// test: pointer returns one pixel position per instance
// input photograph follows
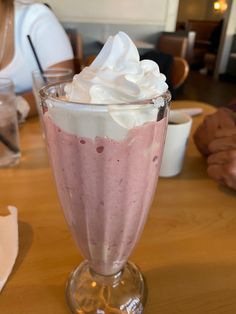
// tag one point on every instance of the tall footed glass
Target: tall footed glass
(106, 161)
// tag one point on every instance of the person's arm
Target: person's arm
(67, 64)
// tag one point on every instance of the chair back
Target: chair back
(173, 45)
(78, 48)
(179, 72)
(89, 60)
(203, 29)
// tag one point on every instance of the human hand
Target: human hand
(222, 158)
(222, 118)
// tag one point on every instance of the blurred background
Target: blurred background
(202, 32)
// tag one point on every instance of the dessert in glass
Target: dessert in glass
(105, 134)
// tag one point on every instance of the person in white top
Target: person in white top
(19, 19)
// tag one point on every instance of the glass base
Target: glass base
(89, 292)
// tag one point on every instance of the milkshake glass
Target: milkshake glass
(106, 176)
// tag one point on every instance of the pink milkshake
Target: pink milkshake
(106, 188)
(105, 133)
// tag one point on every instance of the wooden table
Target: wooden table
(187, 251)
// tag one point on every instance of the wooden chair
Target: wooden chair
(179, 72)
(89, 60)
(76, 40)
(190, 36)
(79, 49)
(173, 45)
(203, 30)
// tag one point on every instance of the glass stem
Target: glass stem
(107, 280)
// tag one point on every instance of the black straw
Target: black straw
(36, 58)
(35, 55)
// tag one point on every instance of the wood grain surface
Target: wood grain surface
(187, 251)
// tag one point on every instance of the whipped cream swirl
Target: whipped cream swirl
(117, 75)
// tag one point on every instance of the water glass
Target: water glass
(49, 76)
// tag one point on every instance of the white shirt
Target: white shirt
(49, 39)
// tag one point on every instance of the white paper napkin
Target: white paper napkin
(9, 244)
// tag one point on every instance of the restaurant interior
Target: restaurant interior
(201, 32)
(185, 243)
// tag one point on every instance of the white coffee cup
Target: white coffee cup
(178, 130)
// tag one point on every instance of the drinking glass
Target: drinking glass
(9, 132)
(49, 76)
(106, 161)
